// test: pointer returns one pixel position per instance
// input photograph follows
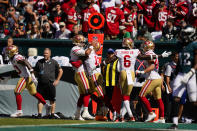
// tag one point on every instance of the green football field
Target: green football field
(21, 124)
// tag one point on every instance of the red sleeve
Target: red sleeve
(139, 6)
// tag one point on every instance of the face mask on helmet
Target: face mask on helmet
(11, 50)
(188, 35)
(96, 45)
(79, 40)
(128, 43)
(148, 45)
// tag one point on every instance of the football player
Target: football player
(127, 57)
(96, 79)
(77, 54)
(27, 79)
(187, 66)
(152, 83)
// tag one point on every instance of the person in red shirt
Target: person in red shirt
(71, 17)
(162, 14)
(180, 11)
(41, 6)
(67, 5)
(85, 13)
(130, 13)
(113, 15)
(148, 8)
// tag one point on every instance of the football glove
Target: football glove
(34, 80)
(187, 76)
(139, 72)
(166, 54)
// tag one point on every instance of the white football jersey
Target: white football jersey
(127, 58)
(34, 59)
(21, 69)
(154, 73)
(91, 63)
(75, 53)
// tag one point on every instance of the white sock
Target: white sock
(85, 109)
(127, 106)
(123, 111)
(175, 120)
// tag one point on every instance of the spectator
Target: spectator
(18, 31)
(85, 13)
(63, 33)
(131, 19)
(147, 8)
(76, 31)
(30, 16)
(170, 31)
(180, 11)
(57, 16)
(193, 14)
(4, 53)
(12, 16)
(71, 17)
(35, 33)
(2, 21)
(96, 6)
(162, 15)
(47, 33)
(123, 33)
(3, 6)
(114, 15)
(41, 6)
(46, 69)
(144, 34)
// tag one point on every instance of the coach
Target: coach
(46, 70)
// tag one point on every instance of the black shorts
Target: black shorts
(47, 90)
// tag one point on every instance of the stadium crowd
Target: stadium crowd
(63, 19)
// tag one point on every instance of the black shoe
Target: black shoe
(173, 126)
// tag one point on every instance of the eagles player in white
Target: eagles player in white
(78, 54)
(27, 79)
(126, 58)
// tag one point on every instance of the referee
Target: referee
(46, 70)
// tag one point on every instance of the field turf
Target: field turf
(24, 124)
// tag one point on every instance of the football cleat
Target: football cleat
(132, 119)
(160, 121)
(18, 113)
(87, 116)
(150, 117)
(48, 109)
